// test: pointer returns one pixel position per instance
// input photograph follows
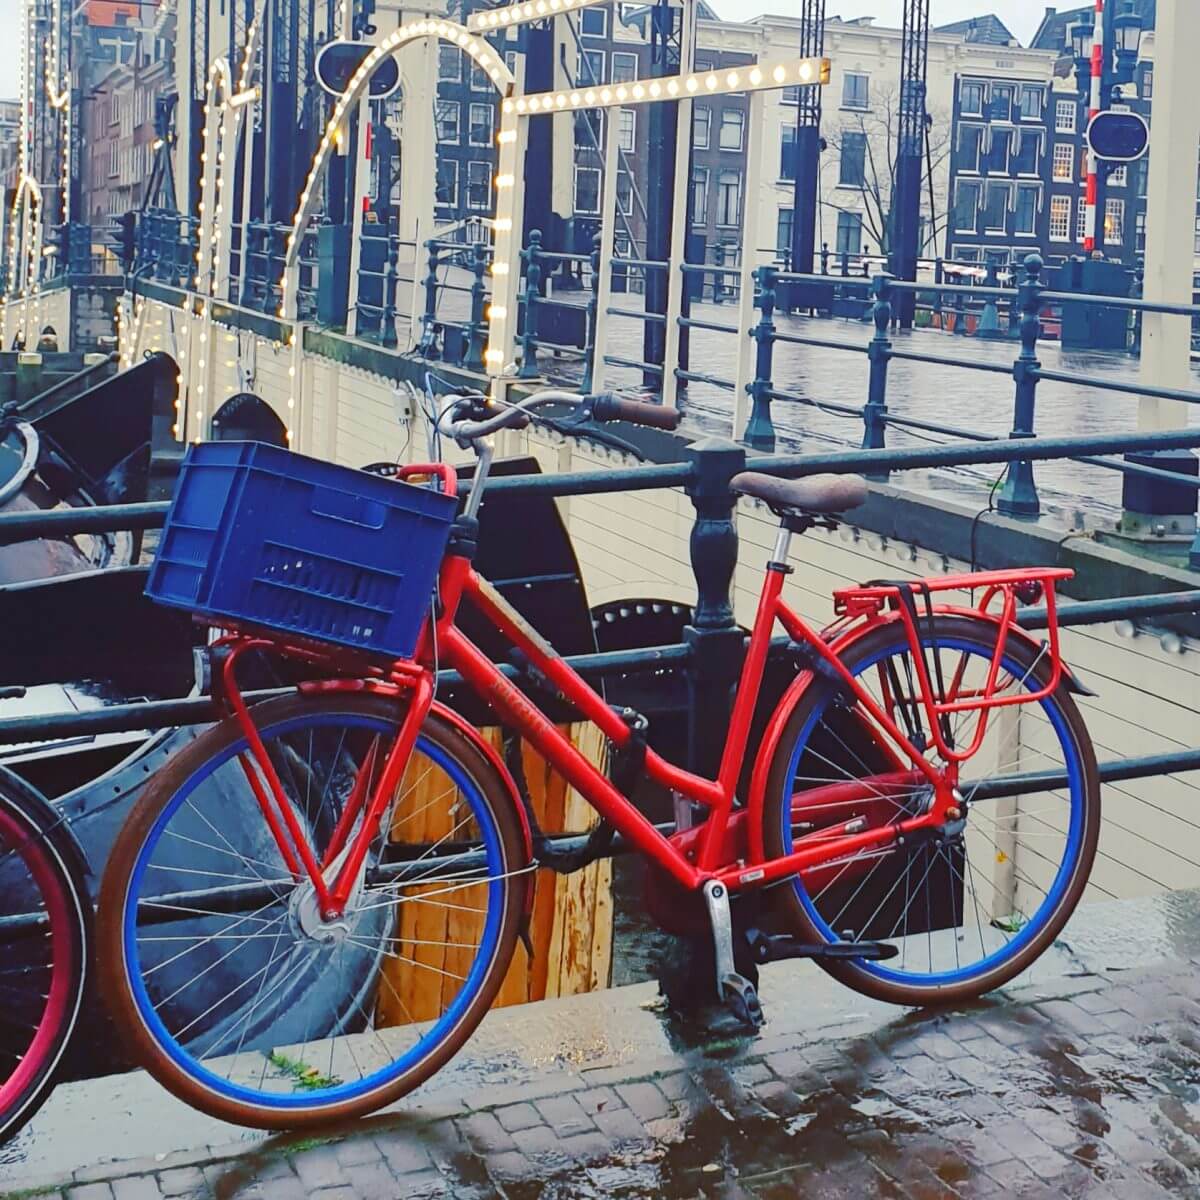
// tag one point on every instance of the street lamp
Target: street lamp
(1082, 33)
(1128, 38)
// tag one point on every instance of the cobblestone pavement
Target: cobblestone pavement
(1088, 1088)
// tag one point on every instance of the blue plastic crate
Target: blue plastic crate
(258, 536)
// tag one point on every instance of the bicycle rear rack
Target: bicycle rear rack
(1002, 592)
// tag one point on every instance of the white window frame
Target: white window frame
(1066, 114)
(700, 191)
(626, 209)
(1060, 218)
(1036, 189)
(741, 186)
(1064, 152)
(738, 122)
(441, 106)
(1032, 89)
(627, 123)
(449, 54)
(487, 168)
(963, 128)
(591, 212)
(589, 55)
(1081, 220)
(1114, 206)
(451, 163)
(490, 112)
(705, 123)
(1001, 185)
(1119, 177)
(983, 100)
(846, 102)
(1014, 152)
(593, 12)
(622, 55)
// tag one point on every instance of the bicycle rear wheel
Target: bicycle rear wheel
(235, 993)
(45, 922)
(971, 907)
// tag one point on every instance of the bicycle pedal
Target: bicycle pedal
(767, 948)
(741, 998)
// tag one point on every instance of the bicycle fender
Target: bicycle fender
(463, 726)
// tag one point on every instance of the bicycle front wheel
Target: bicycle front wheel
(968, 907)
(45, 929)
(234, 992)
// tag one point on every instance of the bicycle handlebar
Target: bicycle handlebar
(636, 412)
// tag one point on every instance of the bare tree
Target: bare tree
(874, 132)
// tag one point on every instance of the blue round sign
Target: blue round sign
(337, 62)
(1118, 136)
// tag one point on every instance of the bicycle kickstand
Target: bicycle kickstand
(733, 989)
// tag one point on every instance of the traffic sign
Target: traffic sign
(1118, 136)
(337, 62)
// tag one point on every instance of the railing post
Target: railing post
(879, 353)
(824, 258)
(1018, 495)
(478, 327)
(760, 432)
(718, 277)
(713, 635)
(1137, 291)
(593, 309)
(937, 295)
(533, 280)
(429, 318)
(960, 313)
(845, 265)
(989, 321)
(387, 318)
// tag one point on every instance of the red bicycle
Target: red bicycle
(923, 809)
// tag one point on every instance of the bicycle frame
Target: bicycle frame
(704, 855)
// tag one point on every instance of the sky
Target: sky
(1021, 16)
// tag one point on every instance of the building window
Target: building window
(626, 129)
(1148, 83)
(729, 197)
(624, 193)
(447, 182)
(789, 95)
(1028, 153)
(1002, 101)
(995, 213)
(1142, 233)
(479, 79)
(1060, 218)
(1141, 174)
(972, 99)
(480, 133)
(1118, 176)
(449, 64)
(787, 152)
(624, 66)
(701, 126)
(970, 139)
(996, 162)
(1025, 214)
(966, 206)
(1064, 161)
(733, 126)
(589, 127)
(591, 65)
(700, 196)
(849, 233)
(1114, 220)
(593, 22)
(1139, 227)
(448, 115)
(1081, 222)
(511, 59)
(479, 186)
(587, 190)
(783, 231)
(1031, 103)
(852, 168)
(856, 90)
(1065, 114)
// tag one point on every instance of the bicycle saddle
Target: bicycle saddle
(821, 495)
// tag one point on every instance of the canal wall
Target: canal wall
(347, 401)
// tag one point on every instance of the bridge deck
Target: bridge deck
(1078, 1081)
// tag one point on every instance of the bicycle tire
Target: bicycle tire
(182, 1070)
(880, 980)
(40, 865)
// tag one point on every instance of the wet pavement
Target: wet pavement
(1083, 1080)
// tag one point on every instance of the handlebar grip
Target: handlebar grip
(636, 412)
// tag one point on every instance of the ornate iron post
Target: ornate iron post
(807, 146)
(593, 309)
(713, 636)
(429, 319)
(879, 353)
(760, 432)
(1018, 495)
(533, 280)
(905, 233)
(477, 330)
(1136, 293)
(387, 316)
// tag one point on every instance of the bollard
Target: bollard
(477, 328)
(760, 432)
(533, 279)
(824, 258)
(593, 310)
(387, 318)
(429, 317)
(713, 636)
(879, 353)
(1018, 495)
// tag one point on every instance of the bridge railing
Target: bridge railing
(710, 655)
